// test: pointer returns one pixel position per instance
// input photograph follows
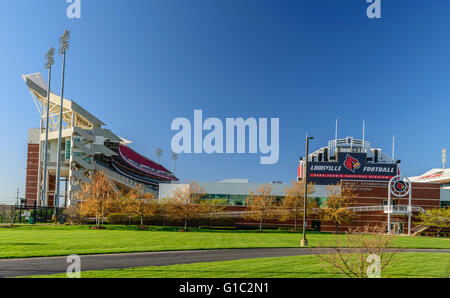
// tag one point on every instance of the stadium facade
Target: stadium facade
(343, 162)
(87, 146)
(368, 170)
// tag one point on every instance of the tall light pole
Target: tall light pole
(159, 153)
(444, 157)
(174, 157)
(48, 65)
(64, 46)
(304, 241)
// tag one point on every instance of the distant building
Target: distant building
(233, 191)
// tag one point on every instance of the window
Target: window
(445, 204)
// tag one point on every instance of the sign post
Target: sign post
(399, 186)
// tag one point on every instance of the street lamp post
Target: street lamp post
(304, 241)
(64, 46)
(48, 65)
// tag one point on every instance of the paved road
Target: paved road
(53, 265)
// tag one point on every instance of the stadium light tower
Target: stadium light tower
(50, 60)
(64, 46)
(174, 157)
(304, 241)
(159, 153)
(444, 157)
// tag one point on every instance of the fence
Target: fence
(10, 214)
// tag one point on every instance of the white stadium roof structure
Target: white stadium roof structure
(441, 176)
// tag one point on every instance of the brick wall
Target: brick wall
(31, 184)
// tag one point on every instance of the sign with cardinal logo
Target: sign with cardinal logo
(400, 186)
(349, 166)
(351, 163)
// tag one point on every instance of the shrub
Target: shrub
(72, 216)
(158, 220)
(122, 219)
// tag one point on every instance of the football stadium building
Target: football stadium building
(344, 162)
(86, 146)
(383, 197)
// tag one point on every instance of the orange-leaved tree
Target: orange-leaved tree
(140, 203)
(293, 203)
(336, 209)
(212, 209)
(260, 204)
(97, 198)
(184, 204)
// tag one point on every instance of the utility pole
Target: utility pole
(48, 65)
(304, 241)
(17, 198)
(64, 46)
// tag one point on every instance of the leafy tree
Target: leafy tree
(336, 210)
(438, 218)
(8, 214)
(140, 203)
(260, 204)
(97, 198)
(212, 208)
(293, 203)
(184, 204)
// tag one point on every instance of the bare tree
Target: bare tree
(159, 153)
(352, 254)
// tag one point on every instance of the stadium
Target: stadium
(368, 170)
(86, 146)
(346, 161)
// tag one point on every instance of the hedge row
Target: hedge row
(127, 219)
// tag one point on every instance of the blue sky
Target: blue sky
(139, 66)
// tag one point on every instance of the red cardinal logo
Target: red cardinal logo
(400, 186)
(351, 163)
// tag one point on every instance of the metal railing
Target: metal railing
(393, 209)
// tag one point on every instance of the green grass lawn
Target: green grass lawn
(57, 240)
(418, 265)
